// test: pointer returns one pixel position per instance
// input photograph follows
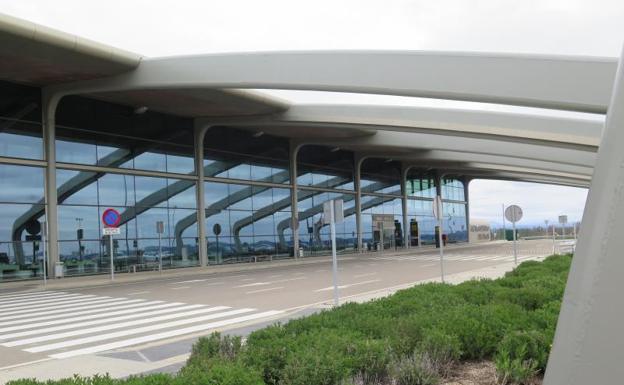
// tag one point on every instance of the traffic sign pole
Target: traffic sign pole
(332, 228)
(45, 259)
(515, 249)
(112, 257)
(438, 215)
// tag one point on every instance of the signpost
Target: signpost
(44, 233)
(160, 229)
(111, 220)
(437, 213)
(563, 220)
(513, 214)
(333, 213)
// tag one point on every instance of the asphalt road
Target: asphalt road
(158, 319)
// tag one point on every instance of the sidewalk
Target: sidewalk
(123, 278)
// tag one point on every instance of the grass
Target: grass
(413, 337)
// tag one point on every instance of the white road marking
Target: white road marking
(247, 279)
(348, 285)
(180, 288)
(276, 276)
(364, 275)
(160, 336)
(38, 294)
(190, 281)
(134, 312)
(320, 271)
(253, 284)
(123, 333)
(263, 290)
(59, 305)
(139, 292)
(97, 329)
(21, 302)
(111, 302)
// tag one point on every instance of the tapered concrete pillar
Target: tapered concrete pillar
(357, 179)
(589, 339)
(294, 151)
(200, 135)
(49, 105)
(406, 233)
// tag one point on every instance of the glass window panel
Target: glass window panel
(182, 193)
(70, 218)
(180, 164)
(21, 184)
(116, 190)
(75, 152)
(22, 140)
(151, 192)
(146, 222)
(151, 161)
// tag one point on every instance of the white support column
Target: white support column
(294, 150)
(406, 233)
(467, 181)
(357, 178)
(49, 104)
(200, 134)
(589, 339)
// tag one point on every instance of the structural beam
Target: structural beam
(588, 342)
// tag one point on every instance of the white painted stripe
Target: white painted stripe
(254, 284)
(138, 292)
(29, 295)
(110, 302)
(163, 335)
(75, 302)
(134, 308)
(364, 275)
(35, 301)
(263, 290)
(180, 288)
(191, 281)
(348, 285)
(74, 333)
(123, 333)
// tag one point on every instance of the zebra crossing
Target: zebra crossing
(62, 325)
(459, 257)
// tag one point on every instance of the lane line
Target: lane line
(263, 290)
(97, 329)
(190, 281)
(364, 275)
(180, 288)
(348, 285)
(138, 292)
(133, 309)
(160, 336)
(100, 304)
(123, 333)
(253, 284)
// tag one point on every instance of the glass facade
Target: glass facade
(143, 166)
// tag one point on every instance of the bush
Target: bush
(416, 369)
(214, 347)
(520, 356)
(220, 373)
(444, 350)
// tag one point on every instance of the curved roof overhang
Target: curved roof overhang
(526, 147)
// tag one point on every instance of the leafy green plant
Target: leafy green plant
(415, 369)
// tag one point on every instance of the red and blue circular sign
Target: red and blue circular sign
(111, 218)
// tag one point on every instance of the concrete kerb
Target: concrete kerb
(130, 278)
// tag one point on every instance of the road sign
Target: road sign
(160, 227)
(338, 211)
(111, 218)
(216, 229)
(513, 213)
(563, 219)
(33, 227)
(111, 231)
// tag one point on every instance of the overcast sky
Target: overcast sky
(162, 28)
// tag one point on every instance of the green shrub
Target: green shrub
(521, 355)
(220, 373)
(415, 369)
(443, 349)
(214, 347)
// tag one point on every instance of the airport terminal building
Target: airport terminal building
(237, 175)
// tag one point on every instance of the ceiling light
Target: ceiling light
(258, 134)
(335, 149)
(388, 160)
